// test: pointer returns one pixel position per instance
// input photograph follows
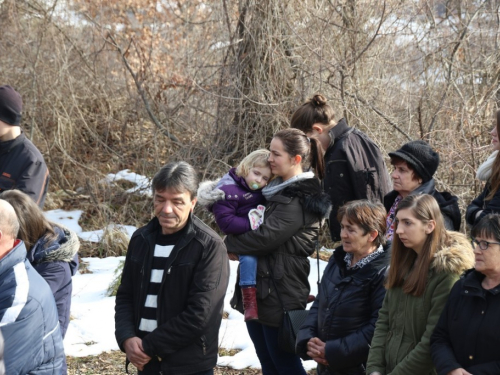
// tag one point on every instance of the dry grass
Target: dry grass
(112, 363)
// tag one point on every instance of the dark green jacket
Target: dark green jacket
(284, 242)
(401, 343)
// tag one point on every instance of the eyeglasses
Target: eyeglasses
(483, 245)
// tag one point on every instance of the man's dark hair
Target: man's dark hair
(178, 176)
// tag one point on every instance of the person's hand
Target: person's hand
(135, 352)
(233, 256)
(256, 216)
(316, 350)
(459, 371)
(375, 373)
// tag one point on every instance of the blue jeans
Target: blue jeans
(273, 360)
(248, 270)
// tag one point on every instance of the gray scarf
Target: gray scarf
(484, 170)
(276, 185)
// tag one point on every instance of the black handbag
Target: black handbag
(292, 319)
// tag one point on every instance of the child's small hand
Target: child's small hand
(256, 216)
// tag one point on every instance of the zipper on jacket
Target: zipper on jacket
(176, 250)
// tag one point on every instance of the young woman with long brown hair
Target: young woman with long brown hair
(426, 261)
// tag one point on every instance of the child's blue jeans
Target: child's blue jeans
(248, 270)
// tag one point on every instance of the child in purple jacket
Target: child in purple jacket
(236, 202)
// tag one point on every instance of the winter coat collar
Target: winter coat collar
(456, 257)
(6, 146)
(14, 256)
(368, 271)
(339, 131)
(312, 197)
(63, 248)
(472, 285)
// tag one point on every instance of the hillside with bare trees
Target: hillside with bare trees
(133, 84)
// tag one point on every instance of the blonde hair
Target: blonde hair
(257, 158)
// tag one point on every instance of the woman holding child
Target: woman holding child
(283, 242)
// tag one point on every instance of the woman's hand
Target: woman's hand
(233, 256)
(459, 371)
(316, 350)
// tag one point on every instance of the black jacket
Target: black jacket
(284, 241)
(190, 300)
(22, 167)
(447, 202)
(344, 314)
(488, 207)
(354, 169)
(468, 334)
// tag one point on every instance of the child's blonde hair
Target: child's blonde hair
(257, 158)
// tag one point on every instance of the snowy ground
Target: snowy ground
(91, 330)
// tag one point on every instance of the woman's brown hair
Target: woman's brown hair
(313, 111)
(33, 224)
(296, 142)
(494, 183)
(408, 269)
(370, 216)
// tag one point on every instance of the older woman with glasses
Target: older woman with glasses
(466, 339)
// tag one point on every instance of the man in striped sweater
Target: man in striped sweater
(169, 304)
(28, 315)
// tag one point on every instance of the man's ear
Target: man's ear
(193, 203)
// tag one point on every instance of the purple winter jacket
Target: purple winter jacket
(231, 213)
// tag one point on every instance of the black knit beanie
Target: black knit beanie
(420, 156)
(11, 105)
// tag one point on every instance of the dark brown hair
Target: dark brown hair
(33, 224)
(408, 269)
(367, 215)
(296, 142)
(494, 182)
(313, 111)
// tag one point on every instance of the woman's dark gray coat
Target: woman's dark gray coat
(284, 241)
(344, 314)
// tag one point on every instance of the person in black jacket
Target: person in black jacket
(414, 166)
(354, 165)
(489, 200)
(466, 339)
(22, 166)
(340, 325)
(283, 242)
(170, 301)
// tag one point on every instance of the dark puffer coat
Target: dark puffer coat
(491, 206)
(355, 169)
(32, 338)
(344, 314)
(468, 334)
(448, 203)
(57, 261)
(284, 242)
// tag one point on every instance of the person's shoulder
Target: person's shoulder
(28, 148)
(204, 233)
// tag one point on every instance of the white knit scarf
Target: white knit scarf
(484, 171)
